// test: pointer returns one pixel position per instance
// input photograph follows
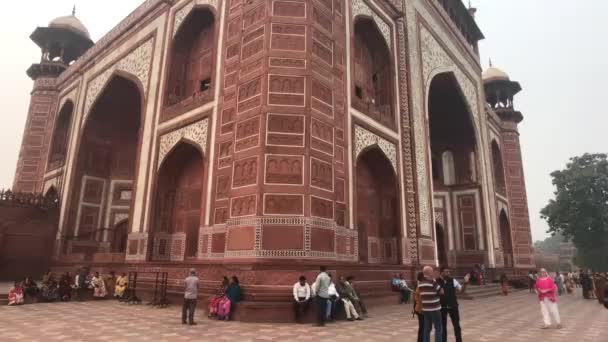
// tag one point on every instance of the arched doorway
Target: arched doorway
(442, 253)
(192, 61)
(373, 76)
(119, 237)
(454, 153)
(377, 209)
(107, 159)
(505, 239)
(498, 168)
(59, 141)
(180, 195)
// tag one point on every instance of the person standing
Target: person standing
(404, 290)
(322, 292)
(559, 282)
(545, 288)
(504, 284)
(449, 302)
(190, 296)
(431, 305)
(233, 293)
(531, 280)
(301, 296)
(418, 308)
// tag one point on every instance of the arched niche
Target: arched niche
(498, 169)
(452, 133)
(373, 83)
(179, 196)
(191, 59)
(441, 244)
(107, 151)
(377, 207)
(505, 238)
(61, 133)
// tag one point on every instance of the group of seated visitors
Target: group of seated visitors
(223, 304)
(62, 288)
(341, 295)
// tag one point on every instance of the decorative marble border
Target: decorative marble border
(196, 133)
(258, 251)
(183, 12)
(50, 183)
(360, 7)
(119, 217)
(137, 63)
(365, 138)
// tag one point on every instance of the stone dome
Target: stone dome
(70, 22)
(494, 74)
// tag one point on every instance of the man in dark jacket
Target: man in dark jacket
(449, 302)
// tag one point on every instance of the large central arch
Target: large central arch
(106, 167)
(454, 160)
(179, 199)
(377, 207)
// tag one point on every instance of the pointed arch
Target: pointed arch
(61, 133)
(377, 206)
(191, 62)
(498, 168)
(506, 240)
(373, 72)
(107, 150)
(179, 199)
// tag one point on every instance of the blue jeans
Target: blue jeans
(432, 318)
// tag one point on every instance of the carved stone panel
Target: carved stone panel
(283, 204)
(321, 174)
(320, 207)
(243, 206)
(245, 172)
(284, 169)
(247, 134)
(286, 90)
(285, 130)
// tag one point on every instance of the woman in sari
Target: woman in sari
(65, 288)
(49, 291)
(214, 302)
(121, 285)
(15, 294)
(233, 293)
(99, 286)
(504, 284)
(30, 289)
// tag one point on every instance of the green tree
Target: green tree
(579, 211)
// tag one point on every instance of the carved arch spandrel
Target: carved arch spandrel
(365, 139)
(361, 8)
(137, 64)
(195, 133)
(182, 13)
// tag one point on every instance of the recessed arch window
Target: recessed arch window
(373, 73)
(192, 60)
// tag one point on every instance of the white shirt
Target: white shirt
(457, 285)
(332, 290)
(300, 291)
(403, 283)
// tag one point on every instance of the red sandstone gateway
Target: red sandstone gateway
(263, 138)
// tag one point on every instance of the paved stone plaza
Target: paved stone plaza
(515, 318)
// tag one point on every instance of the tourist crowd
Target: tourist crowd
(64, 287)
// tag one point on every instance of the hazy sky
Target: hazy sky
(555, 48)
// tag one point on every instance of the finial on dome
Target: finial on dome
(490, 62)
(74, 11)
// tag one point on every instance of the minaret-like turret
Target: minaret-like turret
(61, 43)
(500, 91)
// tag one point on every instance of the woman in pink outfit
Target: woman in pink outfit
(546, 288)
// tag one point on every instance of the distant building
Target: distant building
(550, 261)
